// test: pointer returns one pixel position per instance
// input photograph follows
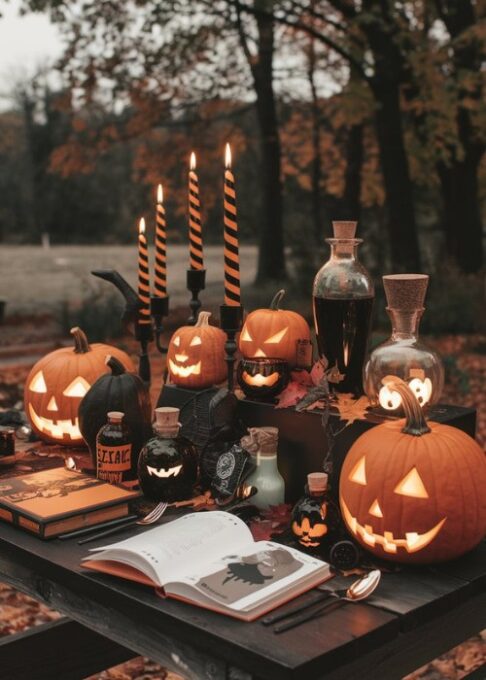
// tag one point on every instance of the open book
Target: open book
(210, 559)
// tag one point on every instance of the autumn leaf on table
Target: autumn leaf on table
(351, 409)
(291, 395)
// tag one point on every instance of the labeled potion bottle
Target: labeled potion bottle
(168, 463)
(403, 355)
(262, 443)
(343, 300)
(313, 517)
(114, 451)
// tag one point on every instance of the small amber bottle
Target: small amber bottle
(114, 451)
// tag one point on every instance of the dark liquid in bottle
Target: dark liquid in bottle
(114, 460)
(342, 328)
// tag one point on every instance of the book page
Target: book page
(176, 549)
(245, 580)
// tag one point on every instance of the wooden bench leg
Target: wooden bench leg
(59, 649)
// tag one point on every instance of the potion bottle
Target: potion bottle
(314, 518)
(168, 462)
(343, 300)
(114, 451)
(403, 355)
(262, 444)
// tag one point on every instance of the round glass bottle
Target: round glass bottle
(343, 301)
(168, 463)
(403, 355)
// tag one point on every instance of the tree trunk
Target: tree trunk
(271, 260)
(352, 177)
(402, 231)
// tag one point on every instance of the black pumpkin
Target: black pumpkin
(262, 378)
(167, 469)
(117, 391)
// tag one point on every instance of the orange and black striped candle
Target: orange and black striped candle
(231, 247)
(196, 259)
(143, 276)
(160, 277)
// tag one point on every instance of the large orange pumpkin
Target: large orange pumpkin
(57, 383)
(273, 332)
(196, 355)
(412, 491)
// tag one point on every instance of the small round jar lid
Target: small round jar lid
(317, 482)
(344, 229)
(116, 415)
(405, 291)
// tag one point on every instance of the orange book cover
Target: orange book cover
(53, 501)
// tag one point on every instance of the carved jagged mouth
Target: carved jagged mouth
(162, 472)
(258, 379)
(57, 429)
(184, 371)
(413, 542)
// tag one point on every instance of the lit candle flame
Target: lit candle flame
(141, 226)
(346, 353)
(192, 162)
(227, 157)
(160, 194)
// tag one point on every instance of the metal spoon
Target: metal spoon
(357, 591)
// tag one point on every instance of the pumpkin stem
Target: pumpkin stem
(277, 299)
(81, 344)
(415, 423)
(203, 319)
(115, 365)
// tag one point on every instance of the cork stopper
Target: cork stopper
(167, 421)
(261, 441)
(405, 291)
(115, 416)
(317, 482)
(344, 229)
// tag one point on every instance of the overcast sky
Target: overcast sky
(25, 43)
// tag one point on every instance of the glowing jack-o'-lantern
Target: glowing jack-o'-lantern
(273, 332)
(263, 378)
(195, 357)
(412, 491)
(421, 386)
(57, 383)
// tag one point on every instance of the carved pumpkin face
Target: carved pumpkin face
(412, 492)
(309, 522)
(390, 400)
(262, 378)
(58, 382)
(195, 357)
(167, 469)
(273, 332)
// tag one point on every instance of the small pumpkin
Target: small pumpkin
(117, 391)
(57, 383)
(273, 332)
(196, 355)
(263, 378)
(412, 491)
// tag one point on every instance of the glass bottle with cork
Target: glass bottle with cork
(262, 444)
(168, 462)
(114, 460)
(343, 297)
(314, 517)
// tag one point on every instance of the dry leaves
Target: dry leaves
(351, 409)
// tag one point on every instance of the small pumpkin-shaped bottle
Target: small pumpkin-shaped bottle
(168, 463)
(314, 517)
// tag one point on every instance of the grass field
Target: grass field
(34, 280)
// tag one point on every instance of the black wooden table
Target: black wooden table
(413, 617)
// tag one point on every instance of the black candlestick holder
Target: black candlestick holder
(196, 282)
(159, 308)
(143, 333)
(231, 317)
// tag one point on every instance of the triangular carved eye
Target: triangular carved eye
(195, 341)
(177, 341)
(277, 337)
(38, 384)
(358, 473)
(412, 485)
(77, 388)
(245, 336)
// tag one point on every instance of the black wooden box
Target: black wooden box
(303, 443)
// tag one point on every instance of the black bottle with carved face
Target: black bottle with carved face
(168, 463)
(314, 518)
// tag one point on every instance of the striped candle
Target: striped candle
(196, 259)
(160, 278)
(143, 276)
(231, 251)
